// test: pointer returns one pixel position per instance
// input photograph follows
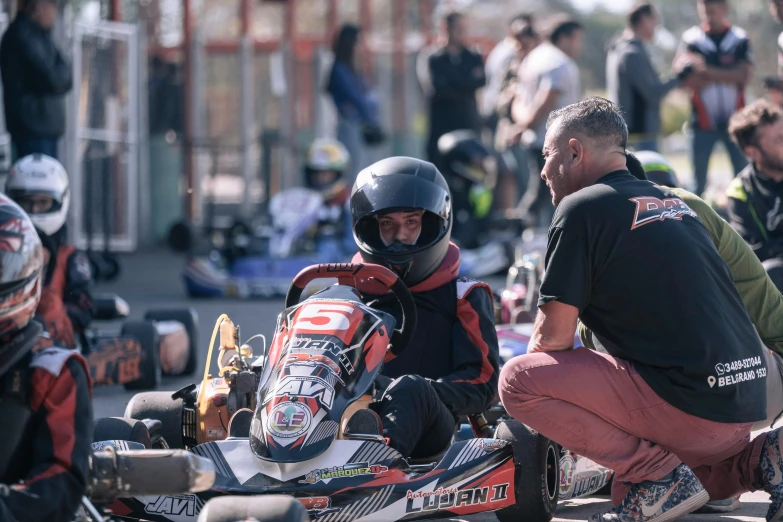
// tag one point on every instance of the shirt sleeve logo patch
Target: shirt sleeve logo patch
(650, 209)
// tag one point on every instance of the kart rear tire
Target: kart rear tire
(189, 318)
(537, 460)
(121, 428)
(264, 508)
(112, 267)
(147, 335)
(159, 406)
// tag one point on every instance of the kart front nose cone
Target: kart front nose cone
(202, 475)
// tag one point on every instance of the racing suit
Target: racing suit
(450, 366)
(756, 212)
(66, 302)
(47, 430)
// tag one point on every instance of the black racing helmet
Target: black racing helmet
(464, 155)
(394, 185)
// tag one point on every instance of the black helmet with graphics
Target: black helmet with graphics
(399, 184)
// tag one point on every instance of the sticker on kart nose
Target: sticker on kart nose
(289, 420)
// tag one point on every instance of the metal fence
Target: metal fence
(103, 150)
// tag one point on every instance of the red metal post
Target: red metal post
(425, 10)
(246, 15)
(399, 19)
(332, 17)
(188, 148)
(115, 11)
(365, 21)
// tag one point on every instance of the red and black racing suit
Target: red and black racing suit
(66, 302)
(450, 367)
(46, 416)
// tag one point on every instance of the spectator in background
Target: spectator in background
(514, 183)
(773, 89)
(356, 108)
(723, 53)
(496, 68)
(36, 77)
(450, 78)
(548, 80)
(776, 10)
(633, 82)
(756, 195)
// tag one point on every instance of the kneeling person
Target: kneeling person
(402, 218)
(671, 406)
(39, 184)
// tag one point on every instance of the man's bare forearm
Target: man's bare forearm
(737, 75)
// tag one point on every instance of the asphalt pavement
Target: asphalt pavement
(153, 280)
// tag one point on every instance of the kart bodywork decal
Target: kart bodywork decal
(361, 507)
(374, 452)
(212, 451)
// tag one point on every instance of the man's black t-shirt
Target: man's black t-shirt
(642, 269)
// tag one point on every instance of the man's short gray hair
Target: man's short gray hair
(597, 118)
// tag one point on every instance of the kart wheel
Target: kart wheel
(111, 267)
(189, 318)
(147, 335)
(121, 428)
(181, 237)
(159, 406)
(537, 460)
(261, 508)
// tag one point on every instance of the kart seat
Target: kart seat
(419, 461)
(239, 425)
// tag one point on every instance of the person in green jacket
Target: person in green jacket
(762, 299)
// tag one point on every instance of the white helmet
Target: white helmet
(39, 174)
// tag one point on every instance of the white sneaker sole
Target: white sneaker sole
(682, 509)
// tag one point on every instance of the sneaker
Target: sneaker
(771, 465)
(364, 422)
(720, 506)
(669, 498)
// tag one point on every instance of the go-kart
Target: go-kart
(309, 437)
(164, 343)
(166, 479)
(259, 261)
(518, 302)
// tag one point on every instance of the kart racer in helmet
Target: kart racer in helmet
(39, 184)
(325, 166)
(45, 409)
(464, 159)
(402, 218)
(762, 300)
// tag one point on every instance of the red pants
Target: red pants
(600, 407)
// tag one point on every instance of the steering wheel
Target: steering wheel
(347, 274)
